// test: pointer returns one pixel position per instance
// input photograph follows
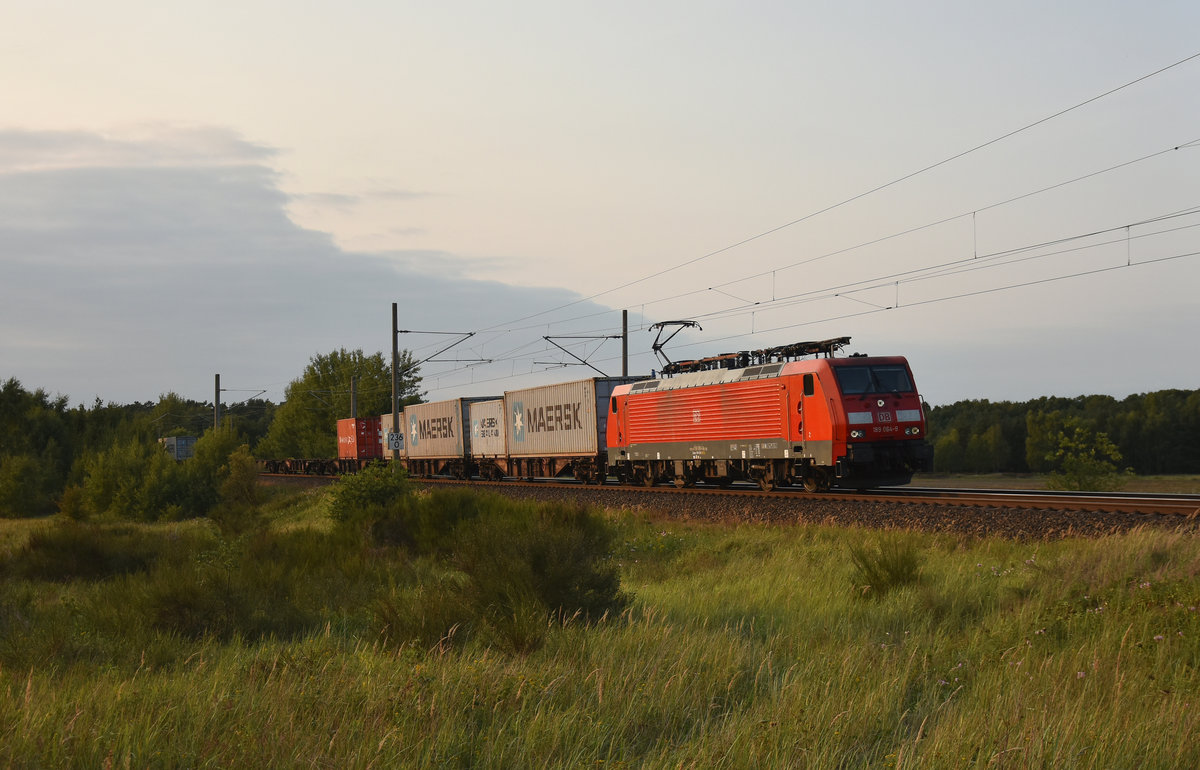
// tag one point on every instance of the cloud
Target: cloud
(347, 201)
(127, 280)
(145, 146)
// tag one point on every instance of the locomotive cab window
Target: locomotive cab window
(861, 380)
(809, 386)
(614, 404)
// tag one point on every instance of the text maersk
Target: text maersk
(437, 427)
(544, 419)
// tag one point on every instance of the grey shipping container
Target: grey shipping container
(562, 420)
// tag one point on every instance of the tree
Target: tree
(305, 425)
(987, 452)
(1083, 459)
(35, 450)
(948, 453)
(1041, 438)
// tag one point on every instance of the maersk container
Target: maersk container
(488, 429)
(358, 439)
(566, 419)
(436, 430)
(385, 427)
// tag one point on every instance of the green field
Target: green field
(740, 646)
(1178, 485)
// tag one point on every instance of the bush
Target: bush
(426, 524)
(74, 551)
(265, 584)
(72, 505)
(893, 563)
(24, 487)
(362, 498)
(237, 511)
(507, 569)
(434, 614)
(138, 480)
(528, 564)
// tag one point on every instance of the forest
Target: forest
(1149, 433)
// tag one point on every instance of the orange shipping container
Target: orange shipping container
(359, 439)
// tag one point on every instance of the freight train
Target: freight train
(772, 417)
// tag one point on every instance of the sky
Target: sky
(1007, 194)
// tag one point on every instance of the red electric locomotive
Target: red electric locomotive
(852, 422)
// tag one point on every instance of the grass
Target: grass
(1178, 484)
(745, 646)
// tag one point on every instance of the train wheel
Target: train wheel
(766, 484)
(817, 480)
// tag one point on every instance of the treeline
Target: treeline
(1151, 433)
(105, 460)
(106, 456)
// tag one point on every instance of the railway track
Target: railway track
(1008, 513)
(1116, 502)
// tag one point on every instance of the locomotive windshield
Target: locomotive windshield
(861, 380)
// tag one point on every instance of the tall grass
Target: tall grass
(743, 647)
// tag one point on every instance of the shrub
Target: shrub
(427, 524)
(237, 511)
(382, 506)
(893, 563)
(208, 469)
(74, 551)
(134, 480)
(24, 487)
(434, 614)
(363, 497)
(527, 564)
(264, 584)
(505, 570)
(137, 480)
(72, 505)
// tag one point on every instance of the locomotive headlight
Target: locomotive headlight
(913, 431)
(856, 434)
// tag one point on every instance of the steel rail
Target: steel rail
(1114, 502)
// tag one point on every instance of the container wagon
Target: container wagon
(560, 430)
(436, 443)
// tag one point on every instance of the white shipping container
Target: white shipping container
(488, 428)
(567, 419)
(385, 424)
(435, 429)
